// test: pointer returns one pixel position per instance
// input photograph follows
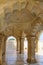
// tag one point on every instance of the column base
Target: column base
(28, 60)
(31, 60)
(19, 52)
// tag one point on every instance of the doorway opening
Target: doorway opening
(11, 47)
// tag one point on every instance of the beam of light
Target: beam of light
(25, 45)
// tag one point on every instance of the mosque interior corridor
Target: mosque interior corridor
(21, 32)
(12, 57)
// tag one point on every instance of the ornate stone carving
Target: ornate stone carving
(19, 5)
(7, 13)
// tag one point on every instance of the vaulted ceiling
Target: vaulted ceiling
(18, 15)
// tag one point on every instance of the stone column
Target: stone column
(17, 45)
(36, 45)
(31, 50)
(4, 49)
(0, 50)
(33, 60)
(1, 47)
(20, 45)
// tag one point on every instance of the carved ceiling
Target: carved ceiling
(16, 16)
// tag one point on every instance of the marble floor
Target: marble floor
(20, 59)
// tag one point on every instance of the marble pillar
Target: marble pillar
(17, 45)
(36, 45)
(31, 50)
(1, 48)
(21, 45)
(33, 60)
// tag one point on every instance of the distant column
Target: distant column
(29, 50)
(20, 45)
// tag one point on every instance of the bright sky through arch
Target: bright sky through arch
(41, 37)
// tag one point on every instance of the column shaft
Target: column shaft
(21, 45)
(17, 45)
(1, 48)
(31, 50)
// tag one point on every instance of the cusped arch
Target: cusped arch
(37, 27)
(6, 37)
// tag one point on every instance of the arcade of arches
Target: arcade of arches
(21, 24)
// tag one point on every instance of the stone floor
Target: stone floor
(20, 59)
